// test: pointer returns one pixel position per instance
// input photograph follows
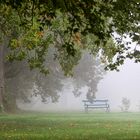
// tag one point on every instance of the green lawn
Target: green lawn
(70, 126)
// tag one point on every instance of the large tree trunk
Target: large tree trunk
(9, 103)
(2, 87)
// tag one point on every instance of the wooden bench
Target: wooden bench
(96, 104)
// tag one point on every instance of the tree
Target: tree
(1, 77)
(88, 73)
(32, 26)
(48, 87)
(22, 84)
(19, 82)
(28, 83)
(125, 104)
(70, 21)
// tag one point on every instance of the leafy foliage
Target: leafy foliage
(67, 24)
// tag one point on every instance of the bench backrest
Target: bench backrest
(95, 102)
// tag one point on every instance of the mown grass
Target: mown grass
(70, 126)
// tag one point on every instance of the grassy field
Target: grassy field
(70, 126)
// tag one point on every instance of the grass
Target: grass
(70, 126)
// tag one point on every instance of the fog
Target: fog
(114, 86)
(125, 83)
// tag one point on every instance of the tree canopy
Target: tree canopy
(100, 26)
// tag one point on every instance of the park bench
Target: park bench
(95, 104)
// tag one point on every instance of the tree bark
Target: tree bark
(9, 103)
(2, 87)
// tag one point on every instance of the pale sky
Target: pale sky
(125, 83)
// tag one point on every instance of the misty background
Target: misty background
(114, 86)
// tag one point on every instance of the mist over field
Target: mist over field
(114, 86)
(125, 83)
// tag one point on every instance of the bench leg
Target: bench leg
(86, 109)
(108, 109)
